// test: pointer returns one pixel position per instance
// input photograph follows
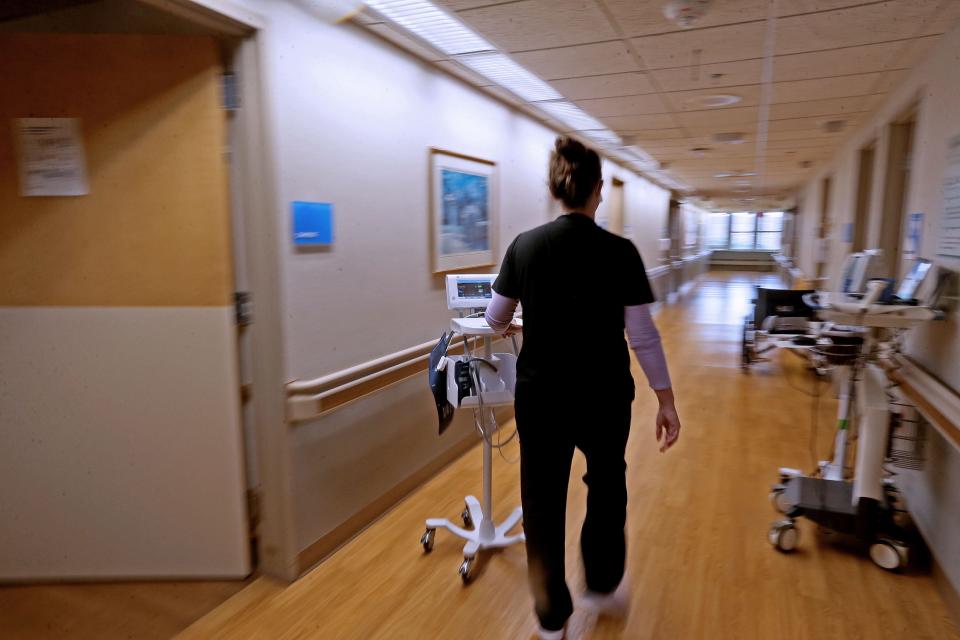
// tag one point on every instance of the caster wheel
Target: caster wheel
(784, 536)
(467, 520)
(778, 499)
(467, 569)
(888, 555)
(427, 540)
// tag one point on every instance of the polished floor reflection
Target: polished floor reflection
(699, 562)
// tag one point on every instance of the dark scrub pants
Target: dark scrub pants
(550, 429)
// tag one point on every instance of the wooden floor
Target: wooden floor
(144, 611)
(699, 562)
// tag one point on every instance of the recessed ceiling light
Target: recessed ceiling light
(730, 137)
(712, 102)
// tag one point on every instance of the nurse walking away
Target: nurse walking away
(574, 387)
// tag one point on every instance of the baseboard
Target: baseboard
(950, 596)
(346, 531)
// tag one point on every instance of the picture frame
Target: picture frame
(464, 212)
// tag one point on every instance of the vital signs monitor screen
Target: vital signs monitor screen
(474, 289)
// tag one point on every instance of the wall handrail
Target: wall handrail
(936, 401)
(363, 370)
(311, 399)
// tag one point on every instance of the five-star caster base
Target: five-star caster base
(479, 529)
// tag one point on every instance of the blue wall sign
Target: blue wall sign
(312, 223)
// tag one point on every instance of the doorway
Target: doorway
(861, 218)
(896, 191)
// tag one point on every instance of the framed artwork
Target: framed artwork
(463, 211)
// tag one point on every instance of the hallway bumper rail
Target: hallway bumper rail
(936, 401)
(311, 399)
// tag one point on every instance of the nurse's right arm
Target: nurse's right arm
(645, 340)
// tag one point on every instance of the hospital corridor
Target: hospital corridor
(480, 319)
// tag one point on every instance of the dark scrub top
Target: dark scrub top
(574, 280)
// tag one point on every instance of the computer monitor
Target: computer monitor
(470, 291)
(911, 282)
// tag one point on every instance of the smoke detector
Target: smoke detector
(685, 13)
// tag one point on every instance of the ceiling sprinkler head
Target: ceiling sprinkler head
(699, 152)
(685, 13)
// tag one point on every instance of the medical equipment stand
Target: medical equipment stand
(481, 532)
(860, 506)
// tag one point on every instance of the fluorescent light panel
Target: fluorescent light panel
(509, 75)
(432, 24)
(604, 137)
(451, 36)
(571, 115)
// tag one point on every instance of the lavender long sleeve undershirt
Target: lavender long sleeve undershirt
(641, 333)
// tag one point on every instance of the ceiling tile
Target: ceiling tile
(630, 123)
(608, 86)
(540, 24)
(807, 124)
(645, 17)
(584, 60)
(625, 106)
(720, 119)
(853, 60)
(802, 143)
(890, 80)
(809, 135)
(865, 24)
(709, 76)
(641, 136)
(836, 107)
(718, 44)
(824, 88)
(691, 100)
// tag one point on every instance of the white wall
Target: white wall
(936, 84)
(354, 118)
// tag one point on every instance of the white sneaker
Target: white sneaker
(544, 634)
(615, 604)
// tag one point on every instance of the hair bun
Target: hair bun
(574, 171)
(570, 149)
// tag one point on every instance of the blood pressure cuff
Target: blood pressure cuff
(438, 382)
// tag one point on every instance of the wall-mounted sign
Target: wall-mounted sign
(312, 223)
(847, 232)
(949, 246)
(914, 238)
(51, 157)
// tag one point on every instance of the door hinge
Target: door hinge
(230, 91)
(243, 308)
